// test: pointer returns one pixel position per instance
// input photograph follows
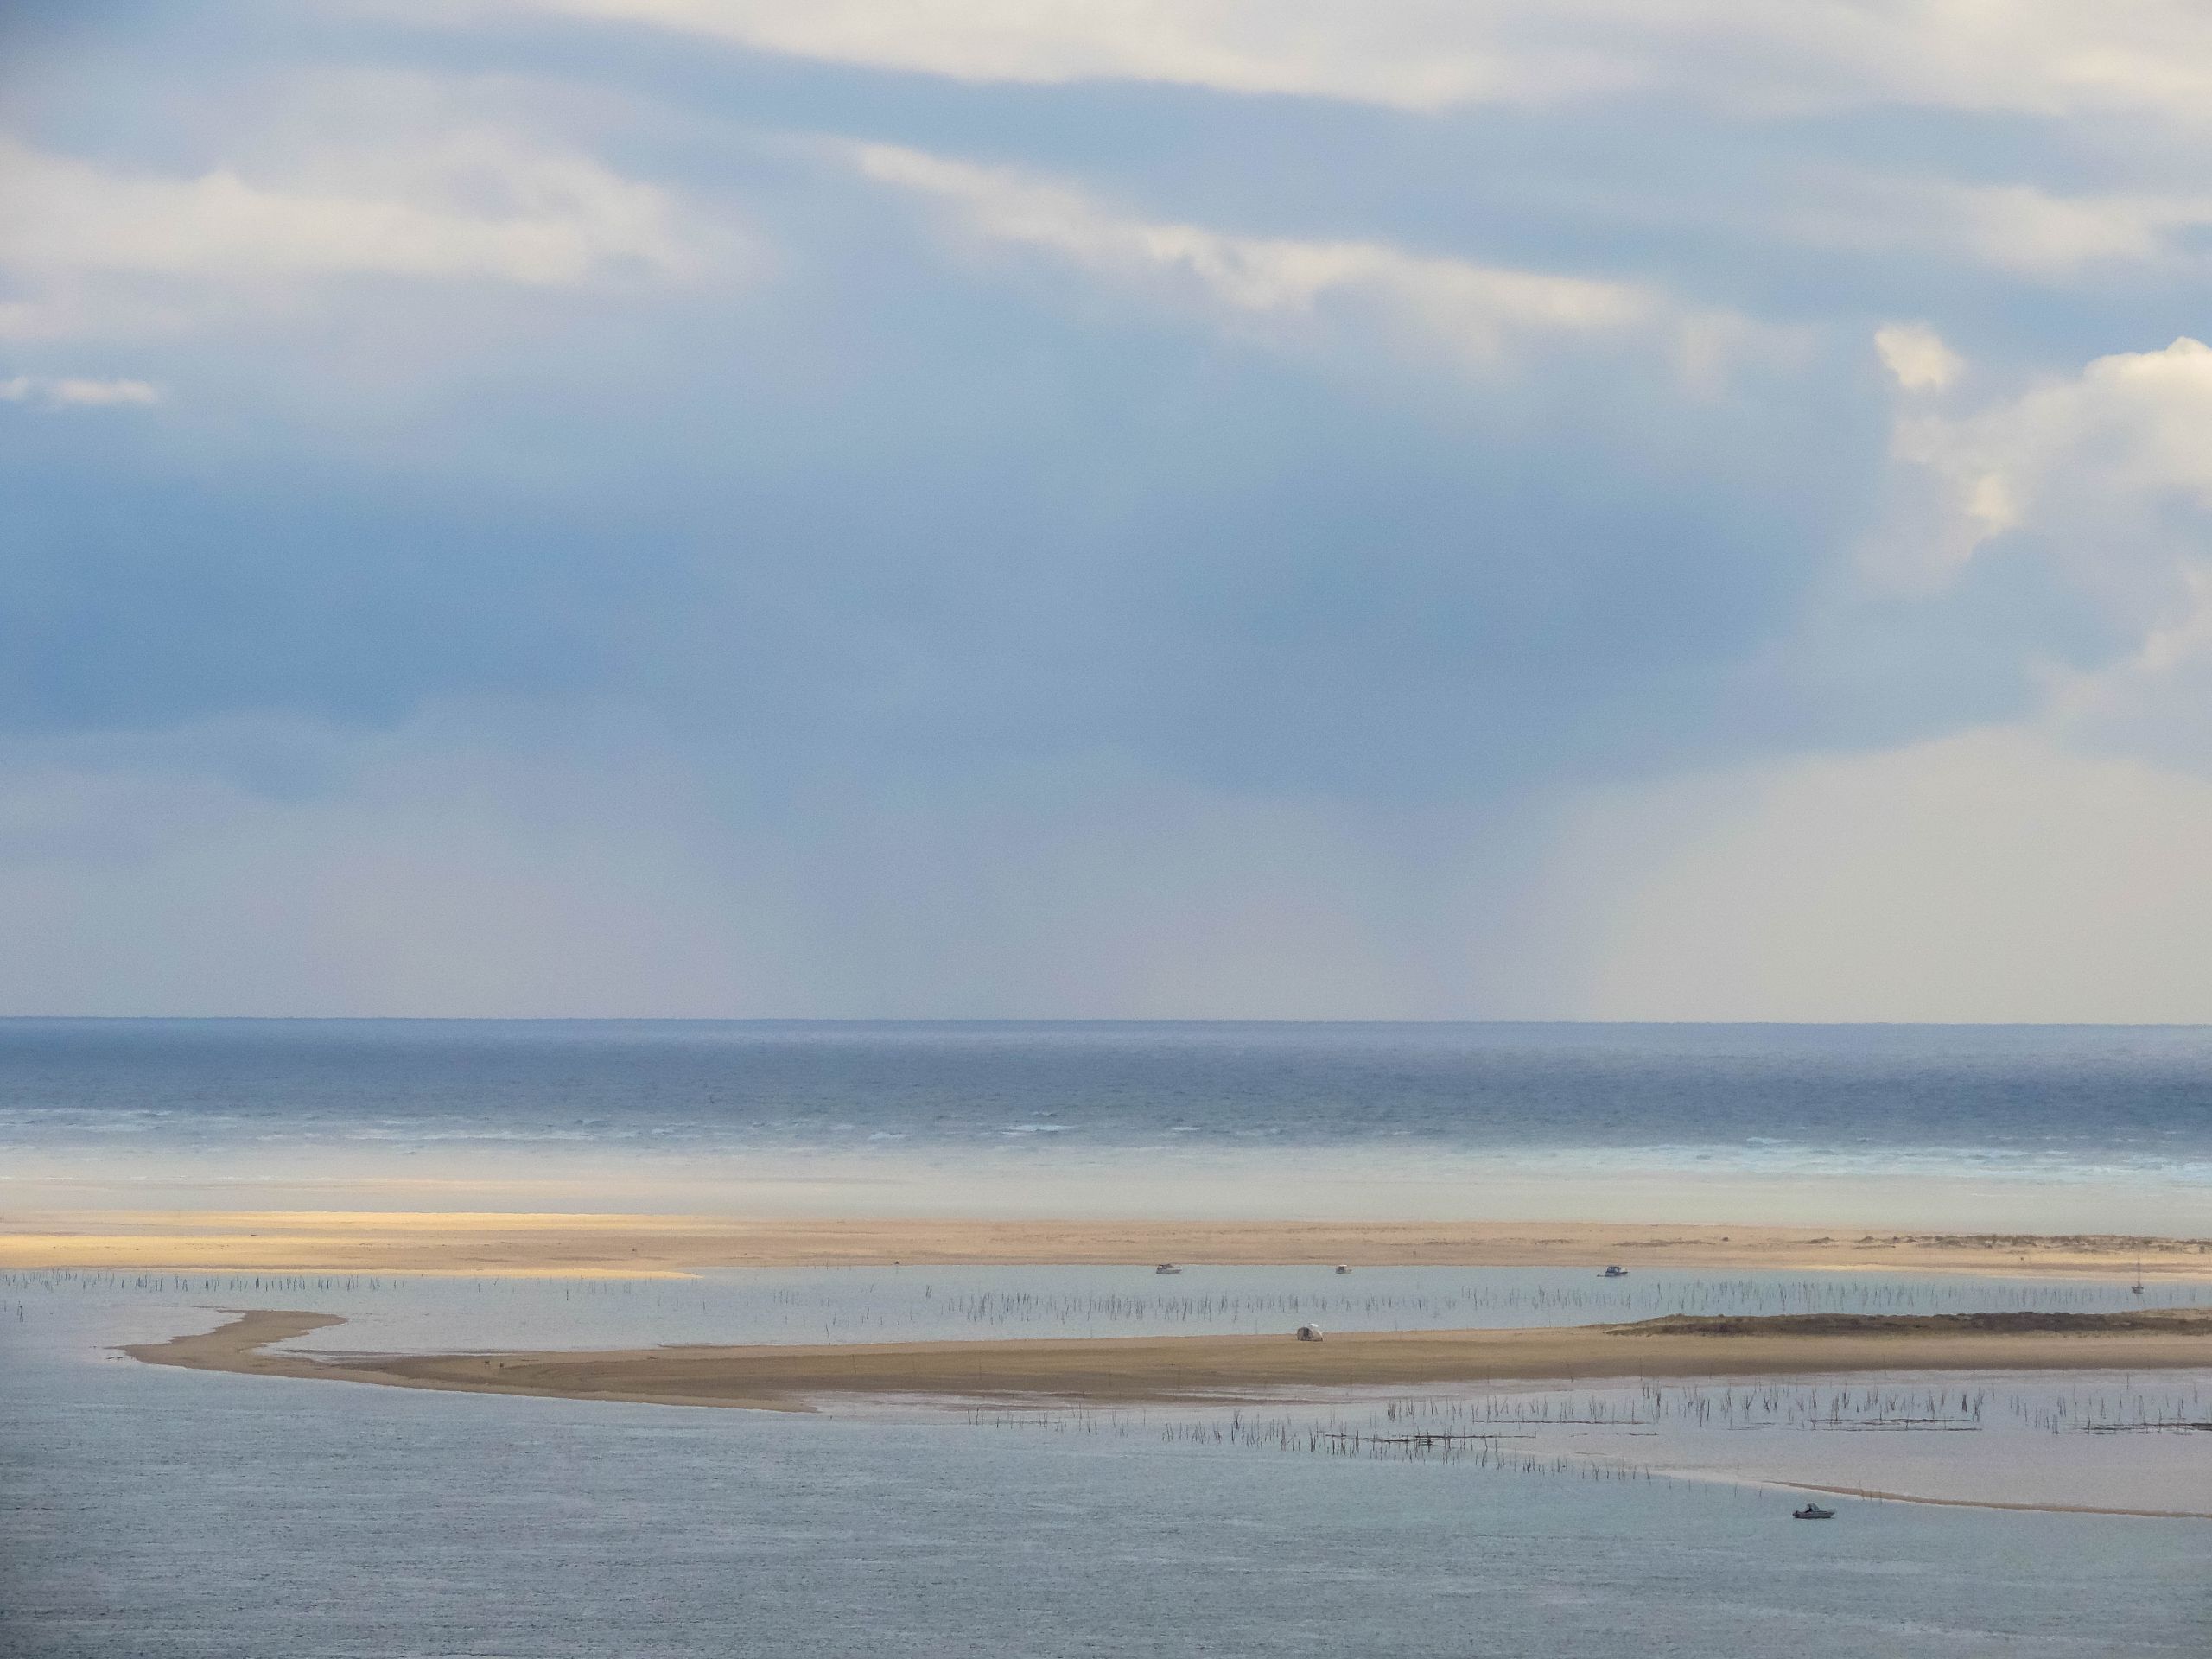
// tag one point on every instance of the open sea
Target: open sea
(1963, 1128)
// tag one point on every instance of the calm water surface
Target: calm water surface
(152, 1512)
(159, 1513)
(2048, 1128)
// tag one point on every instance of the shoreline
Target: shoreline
(1225, 1369)
(549, 1244)
(1871, 1495)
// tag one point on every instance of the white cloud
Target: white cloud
(477, 203)
(2043, 57)
(2102, 480)
(2020, 229)
(70, 392)
(1916, 356)
(1286, 287)
(537, 216)
(2093, 465)
(2050, 869)
(1416, 53)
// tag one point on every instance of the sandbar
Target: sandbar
(576, 1245)
(1104, 1372)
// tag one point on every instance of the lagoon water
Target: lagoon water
(159, 1513)
(406, 1314)
(1955, 1128)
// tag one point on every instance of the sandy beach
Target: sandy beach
(1149, 1369)
(497, 1243)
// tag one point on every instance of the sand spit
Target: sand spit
(544, 1243)
(243, 1346)
(1992, 1503)
(1195, 1369)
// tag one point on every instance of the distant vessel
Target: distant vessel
(1614, 1273)
(2138, 1285)
(1341, 1267)
(1309, 1333)
(1812, 1512)
(1167, 1267)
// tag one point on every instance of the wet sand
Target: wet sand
(1193, 1370)
(1993, 1503)
(490, 1242)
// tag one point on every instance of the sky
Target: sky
(1553, 509)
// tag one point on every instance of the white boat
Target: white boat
(1812, 1512)
(1614, 1273)
(1167, 1267)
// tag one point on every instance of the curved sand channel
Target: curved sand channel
(1211, 1369)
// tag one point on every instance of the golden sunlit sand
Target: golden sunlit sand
(541, 1243)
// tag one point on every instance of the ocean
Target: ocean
(1952, 1128)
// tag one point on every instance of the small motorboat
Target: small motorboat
(1167, 1267)
(1614, 1273)
(1812, 1512)
(1341, 1267)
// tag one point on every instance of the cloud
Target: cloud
(989, 628)
(2040, 57)
(1286, 288)
(2092, 467)
(2093, 492)
(421, 870)
(477, 205)
(69, 392)
(464, 863)
(1995, 875)
(2022, 229)
(1916, 356)
(1418, 55)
